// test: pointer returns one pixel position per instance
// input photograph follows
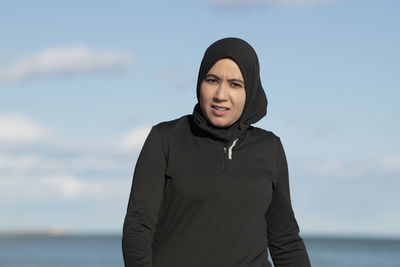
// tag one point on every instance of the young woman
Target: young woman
(209, 189)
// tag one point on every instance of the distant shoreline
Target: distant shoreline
(11, 233)
(61, 233)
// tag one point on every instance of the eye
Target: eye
(236, 85)
(211, 80)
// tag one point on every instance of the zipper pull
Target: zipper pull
(230, 148)
(224, 150)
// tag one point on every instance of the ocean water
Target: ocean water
(105, 250)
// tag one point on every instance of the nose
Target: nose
(221, 93)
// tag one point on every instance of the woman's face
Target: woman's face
(222, 93)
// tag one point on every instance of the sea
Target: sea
(105, 251)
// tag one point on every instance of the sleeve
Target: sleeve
(286, 246)
(145, 200)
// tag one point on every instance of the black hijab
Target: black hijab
(255, 106)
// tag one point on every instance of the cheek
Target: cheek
(203, 97)
(240, 100)
(205, 94)
(201, 94)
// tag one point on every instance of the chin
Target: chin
(220, 124)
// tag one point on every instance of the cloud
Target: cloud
(38, 165)
(28, 149)
(59, 187)
(65, 60)
(52, 180)
(17, 128)
(36, 162)
(349, 168)
(134, 139)
(390, 163)
(67, 186)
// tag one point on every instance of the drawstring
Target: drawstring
(230, 148)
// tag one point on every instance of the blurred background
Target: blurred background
(82, 82)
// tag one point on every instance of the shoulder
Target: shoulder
(263, 135)
(173, 130)
(265, 139)
(172, 125)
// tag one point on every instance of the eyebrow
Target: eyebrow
(230, 80)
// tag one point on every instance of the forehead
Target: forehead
(226, 66)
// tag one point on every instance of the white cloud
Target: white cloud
(64, 60)
(60, 187)
(31, 162)
(390, 163)
(40, 169)
(348, 167)
(65, 185)
(283, 3)
(17, 128)
(134, 139)
(28, 149)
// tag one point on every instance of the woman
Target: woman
(209, 189)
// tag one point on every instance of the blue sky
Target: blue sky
(81, 83)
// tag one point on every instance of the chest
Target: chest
(202, 171)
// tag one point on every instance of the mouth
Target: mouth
(219, 110)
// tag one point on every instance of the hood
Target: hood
(255, 107)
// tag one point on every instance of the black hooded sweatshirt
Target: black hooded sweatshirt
(204, 196)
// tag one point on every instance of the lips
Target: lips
(219, 110)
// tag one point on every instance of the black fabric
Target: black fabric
(224, 135)
(256, 101)
(196, 203)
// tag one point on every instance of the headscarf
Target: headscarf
(256, 103)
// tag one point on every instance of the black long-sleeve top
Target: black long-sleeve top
(195, 202)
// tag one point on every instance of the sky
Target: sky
(82, 83)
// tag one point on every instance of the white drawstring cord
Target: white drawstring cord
(230, 148)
